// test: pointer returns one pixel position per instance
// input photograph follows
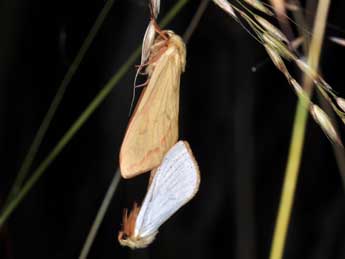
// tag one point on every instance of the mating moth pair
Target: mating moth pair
(150, 144)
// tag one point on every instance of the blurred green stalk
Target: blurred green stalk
(100, 215)
(30, 156)
(298, 135)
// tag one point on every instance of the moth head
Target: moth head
(128, 236)
(176, 41)
(126, 240)
(134, 242)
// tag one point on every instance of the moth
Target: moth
(173, 184)
(153, 127)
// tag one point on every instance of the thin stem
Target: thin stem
(195, 20)
(100, 215)
(297, 140)
(325, 102)
(280, 10)
(12, 205)
(29, 158)
(67, 137)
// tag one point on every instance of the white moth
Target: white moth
(173, 184)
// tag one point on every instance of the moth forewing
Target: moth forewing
(174, 183)
(153, 127)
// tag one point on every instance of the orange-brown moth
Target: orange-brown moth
(153, 127)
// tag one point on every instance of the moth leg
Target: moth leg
(140, 72)
(143, 84)
(143, 73)
(140, 67)
(133, 96)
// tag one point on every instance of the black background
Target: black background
(237, 122)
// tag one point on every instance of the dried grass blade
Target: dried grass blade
(148, 40)
(155, 5)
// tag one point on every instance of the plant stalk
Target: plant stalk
(30, 156)
(298, 135)
(100, 215)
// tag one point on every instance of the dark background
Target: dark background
(237, 122)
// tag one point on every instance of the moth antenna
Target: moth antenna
(140, 67)
(134, 87)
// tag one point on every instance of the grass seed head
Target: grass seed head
(278, 46)
(277, 60)
(270, 28)
(325, 123)
(341, 103)
(226, 6)
(259, 6)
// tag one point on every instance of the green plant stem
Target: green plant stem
(297, 140)
(67, 137)
(195, 20)
(15, 201)
(100, 215)
(29, 158)
(339, 152)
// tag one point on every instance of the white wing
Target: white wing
(176, 182)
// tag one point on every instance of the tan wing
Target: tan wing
(153, 129)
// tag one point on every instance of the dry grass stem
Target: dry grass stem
(296, 43)
(155, 5)
(278, 6)
(148, 40)
(291, 7)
